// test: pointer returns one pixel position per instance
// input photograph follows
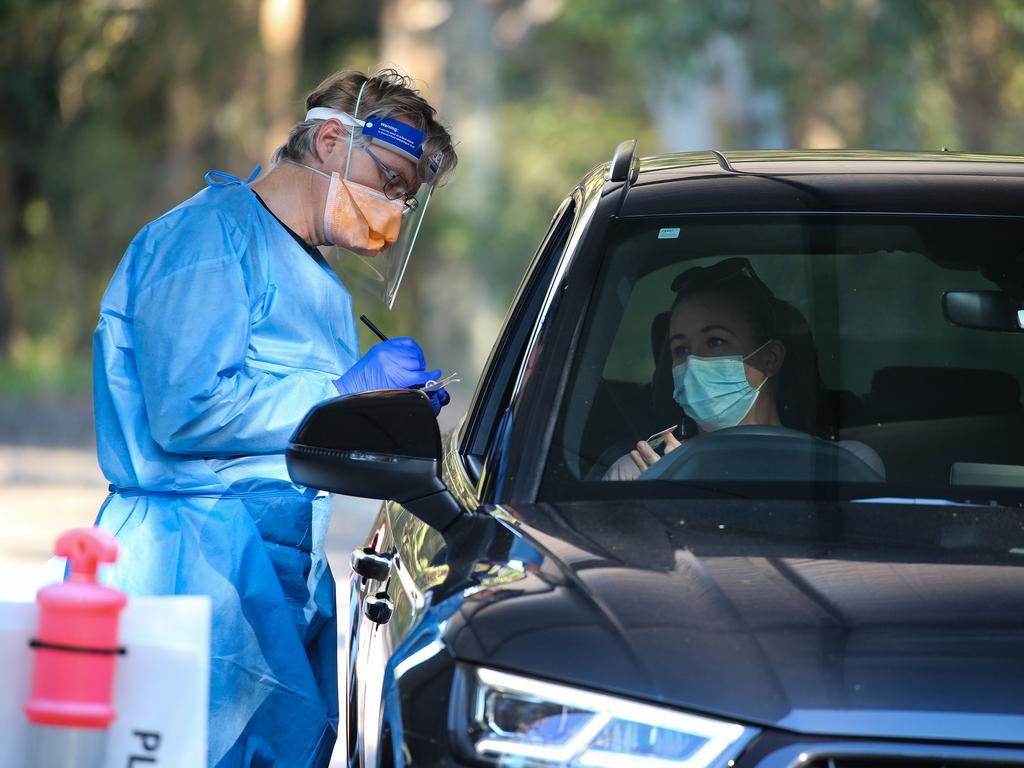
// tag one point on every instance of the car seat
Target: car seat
(923, 419)
(624, 413)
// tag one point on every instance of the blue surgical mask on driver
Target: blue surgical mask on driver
(713, 391)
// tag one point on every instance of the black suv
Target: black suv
(650, 544)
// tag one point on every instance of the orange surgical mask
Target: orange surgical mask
(360, 219)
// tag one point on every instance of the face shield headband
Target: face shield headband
(401, 138)
(381, 276)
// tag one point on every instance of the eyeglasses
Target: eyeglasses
(396, 187)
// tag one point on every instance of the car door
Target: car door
(361, 670)
(417, 551)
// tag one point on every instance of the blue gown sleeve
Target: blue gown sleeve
(192, 330)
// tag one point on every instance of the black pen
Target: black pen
(380, 334)
(369, 324)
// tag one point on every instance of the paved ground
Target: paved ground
(44, 491)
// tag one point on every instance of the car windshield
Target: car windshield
(800, 356)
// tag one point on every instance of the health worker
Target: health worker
(222, 326)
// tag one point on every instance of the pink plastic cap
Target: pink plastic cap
(85, 549)
(76, 644)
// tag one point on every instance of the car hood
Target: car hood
(883, 620)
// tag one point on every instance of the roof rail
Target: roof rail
(623, 161)
(723, 161)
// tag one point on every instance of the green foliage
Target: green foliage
(549, 143)
(113, 109)
(40, 369)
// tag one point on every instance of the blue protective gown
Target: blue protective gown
(217, 334)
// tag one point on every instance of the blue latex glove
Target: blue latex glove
(439, 400)
(392, 364)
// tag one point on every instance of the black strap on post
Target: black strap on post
(40, 644)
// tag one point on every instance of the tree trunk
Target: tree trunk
(281, 36)
(6, 243)
(974, 44)
(447, 46)
(715, 104)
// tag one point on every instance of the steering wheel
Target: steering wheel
(761, 453)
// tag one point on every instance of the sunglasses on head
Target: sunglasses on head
(699, 278)
(724, 275)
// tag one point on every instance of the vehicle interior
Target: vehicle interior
(936, 394)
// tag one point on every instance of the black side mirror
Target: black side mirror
(378, 445)
(987, 310)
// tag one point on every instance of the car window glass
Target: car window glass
(877, 394)
(490, 399)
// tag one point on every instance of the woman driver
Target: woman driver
(727, 341)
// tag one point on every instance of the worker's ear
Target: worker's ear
(331, 138)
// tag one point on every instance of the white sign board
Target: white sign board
(161, 688)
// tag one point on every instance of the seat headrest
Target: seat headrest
(910, 393)
(659, 335)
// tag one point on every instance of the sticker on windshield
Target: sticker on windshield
(668, 233)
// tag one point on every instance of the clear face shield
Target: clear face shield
(380, 276)
(377, 265)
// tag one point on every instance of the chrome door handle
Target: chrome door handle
(371, 564)
(378, 608)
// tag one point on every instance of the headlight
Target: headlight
(509, 720)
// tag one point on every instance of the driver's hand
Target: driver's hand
(644, 456)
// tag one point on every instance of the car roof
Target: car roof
(827, 181)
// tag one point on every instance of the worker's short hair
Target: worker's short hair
(387, 94)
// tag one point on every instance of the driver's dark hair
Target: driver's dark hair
(799, 385)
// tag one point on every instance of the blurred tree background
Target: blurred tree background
(114, 109)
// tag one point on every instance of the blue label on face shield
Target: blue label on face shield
(396, 133)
